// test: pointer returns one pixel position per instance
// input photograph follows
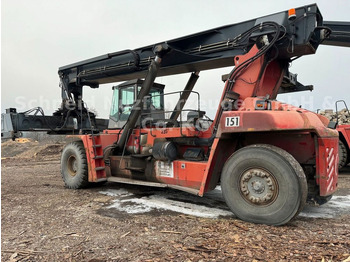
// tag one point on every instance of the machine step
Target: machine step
(134, 182)
(153, 184)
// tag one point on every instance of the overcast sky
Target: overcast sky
(37, 37)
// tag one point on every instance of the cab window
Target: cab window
(127, 101)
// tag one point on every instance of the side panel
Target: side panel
(327, 165)
(181, 173)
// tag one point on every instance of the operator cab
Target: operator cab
(124, 97)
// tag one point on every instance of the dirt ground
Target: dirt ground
(43, 221)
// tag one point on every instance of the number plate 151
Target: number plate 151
(232, 121)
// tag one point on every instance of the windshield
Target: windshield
(120, 110)
(126, 103)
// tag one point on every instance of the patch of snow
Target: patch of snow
(116, 192)
(212, 205)
(338, 205)
(125, 201)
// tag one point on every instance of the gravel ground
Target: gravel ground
(43, 221)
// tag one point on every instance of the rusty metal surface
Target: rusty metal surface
(258, 186)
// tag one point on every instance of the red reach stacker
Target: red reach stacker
(268, 157)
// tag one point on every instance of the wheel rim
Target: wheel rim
(258, 187)
(72, 165)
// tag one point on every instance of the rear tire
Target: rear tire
(343, 155)
(264, 184)
(74, 168)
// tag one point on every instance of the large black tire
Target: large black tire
(264, 184)
(74, 168)
(343, 155)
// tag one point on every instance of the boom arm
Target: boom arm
(340, 35)
(210, 49)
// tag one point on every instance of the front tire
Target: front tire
(74, 168)
(264, 184)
